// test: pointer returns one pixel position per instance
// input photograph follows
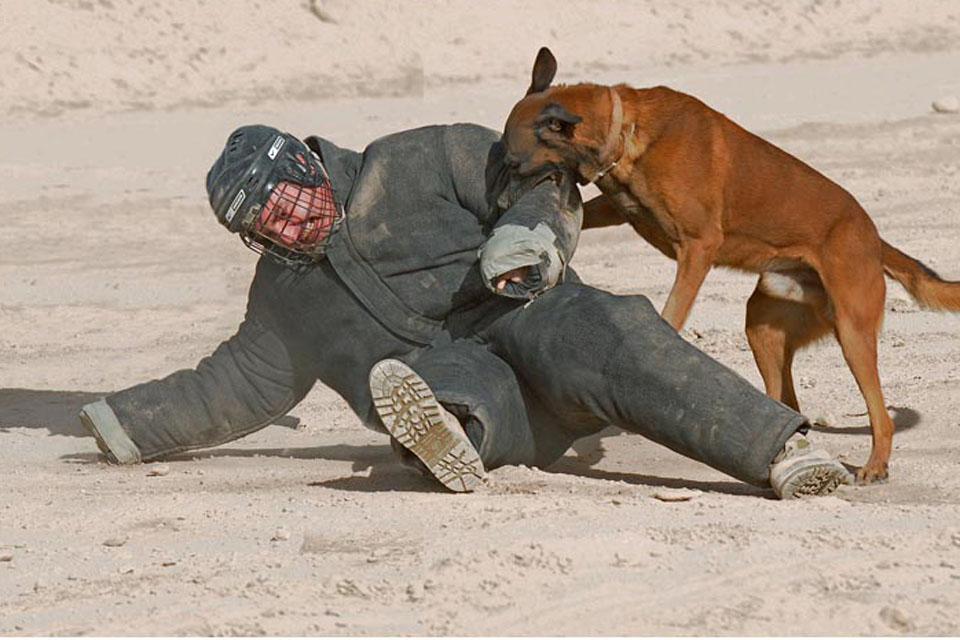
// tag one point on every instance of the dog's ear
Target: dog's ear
(544, 68)
(555, 119)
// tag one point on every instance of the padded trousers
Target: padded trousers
(534, 376)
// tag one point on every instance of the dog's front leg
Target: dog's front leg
(694, 259)
(600, 211)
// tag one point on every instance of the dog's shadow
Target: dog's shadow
(904, 419)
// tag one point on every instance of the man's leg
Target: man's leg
(460, 410)
(589, 352)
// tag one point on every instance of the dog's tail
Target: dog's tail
(927, 288)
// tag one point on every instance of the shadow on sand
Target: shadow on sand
(56, 411)
(903, 418)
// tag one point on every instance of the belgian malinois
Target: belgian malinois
(705, 192)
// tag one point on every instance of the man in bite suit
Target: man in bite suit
(432, 291)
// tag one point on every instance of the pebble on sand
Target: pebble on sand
(281, 534)
(826, 420)
(675, 495)
(159, 470)
(6, 557)
(946, 104)
(895, 619)
(114, 542)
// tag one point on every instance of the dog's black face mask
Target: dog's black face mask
(505, 185)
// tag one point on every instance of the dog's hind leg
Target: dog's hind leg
(858, 296)
(857, 334)
(778, 326)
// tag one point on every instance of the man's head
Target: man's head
(270, 188)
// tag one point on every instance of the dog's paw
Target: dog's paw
(872, 474)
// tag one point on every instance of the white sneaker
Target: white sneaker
(800, 470)
(414, 416)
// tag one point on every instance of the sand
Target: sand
(113, 271)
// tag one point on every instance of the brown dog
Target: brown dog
(704, 191)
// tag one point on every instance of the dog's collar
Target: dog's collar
(609, 154)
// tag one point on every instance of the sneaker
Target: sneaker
(799, 470)
(414, 416)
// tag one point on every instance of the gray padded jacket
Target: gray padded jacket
(432, 219)
(423, 205)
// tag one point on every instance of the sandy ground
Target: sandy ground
(114, 271)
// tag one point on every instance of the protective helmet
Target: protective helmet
(270, 188)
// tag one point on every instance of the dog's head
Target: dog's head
(558, 128)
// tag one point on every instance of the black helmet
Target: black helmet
(254, 161)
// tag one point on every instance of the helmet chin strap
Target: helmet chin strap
(605, 158)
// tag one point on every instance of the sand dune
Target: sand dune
(100, 56)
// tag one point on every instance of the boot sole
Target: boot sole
(813, 479)
(413, 415)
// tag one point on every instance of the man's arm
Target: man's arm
(247, 383)
(534, 224)
(534, 240)
(597, 212)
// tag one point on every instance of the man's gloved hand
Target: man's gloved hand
(519, 262)
(517, 275)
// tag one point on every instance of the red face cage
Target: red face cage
(296, 223)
